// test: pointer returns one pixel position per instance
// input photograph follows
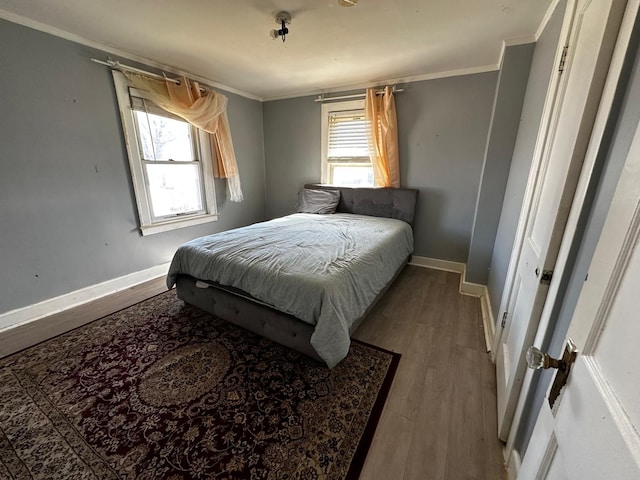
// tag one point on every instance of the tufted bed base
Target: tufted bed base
(249, 313)
(245, 311)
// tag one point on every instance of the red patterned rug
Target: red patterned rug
(162, 390)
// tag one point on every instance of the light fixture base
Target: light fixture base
(282, 17)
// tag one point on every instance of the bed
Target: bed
(306, 280)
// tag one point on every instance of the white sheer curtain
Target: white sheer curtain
(205, 110)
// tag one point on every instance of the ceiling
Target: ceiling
(329, 47)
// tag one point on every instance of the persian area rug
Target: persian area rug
(165, 391)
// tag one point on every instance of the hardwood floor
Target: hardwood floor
(439, 421)
(37, 331)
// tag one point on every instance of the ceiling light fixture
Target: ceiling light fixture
(347, 3)
(283, 19)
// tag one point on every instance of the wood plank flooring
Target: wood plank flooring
(439, 422)
(42, 329)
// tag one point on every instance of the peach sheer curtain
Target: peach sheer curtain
(380, 112)
(205, 110)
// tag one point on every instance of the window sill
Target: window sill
(177, 223)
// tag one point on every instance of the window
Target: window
(345, 149)
(170, 164)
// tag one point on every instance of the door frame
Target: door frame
(602, 118)
(554, 99)
(548, 111)
(617, 243)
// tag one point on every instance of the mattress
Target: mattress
(323, 269)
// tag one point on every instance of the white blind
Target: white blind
(347, 137)
(139, 102)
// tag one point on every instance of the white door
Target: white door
(591, 28)
(593, 432)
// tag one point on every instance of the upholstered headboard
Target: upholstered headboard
(397, 203)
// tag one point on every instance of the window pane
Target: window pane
(163, 138)
(174, 188)
(352, 176)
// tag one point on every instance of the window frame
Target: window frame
(326, 110)
(149, 224)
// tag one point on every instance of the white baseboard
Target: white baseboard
(472, 289)
(446, 265)
(488, 321)
(466, 288)
(30, 313)
(513, 465)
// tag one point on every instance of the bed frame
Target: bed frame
(242, 309)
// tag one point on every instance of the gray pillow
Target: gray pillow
(318, 201)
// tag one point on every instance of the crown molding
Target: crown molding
(522, 40)
(56, 32)
(546, 18)
(514, 42)
(391, 81)
(14, 18)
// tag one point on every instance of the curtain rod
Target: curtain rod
(322, 98)
(118, 66)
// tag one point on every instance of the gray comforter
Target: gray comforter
(324, 269)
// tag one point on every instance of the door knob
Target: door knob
(537, 359)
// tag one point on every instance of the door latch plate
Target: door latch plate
(568, 357)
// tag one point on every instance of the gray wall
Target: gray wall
(67, 209)
(292, 151)
(443, 126)
(541, 68)
(505, 121)
(617, 139)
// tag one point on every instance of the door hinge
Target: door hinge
(546, 277)
(504, 320)
(563, 58)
